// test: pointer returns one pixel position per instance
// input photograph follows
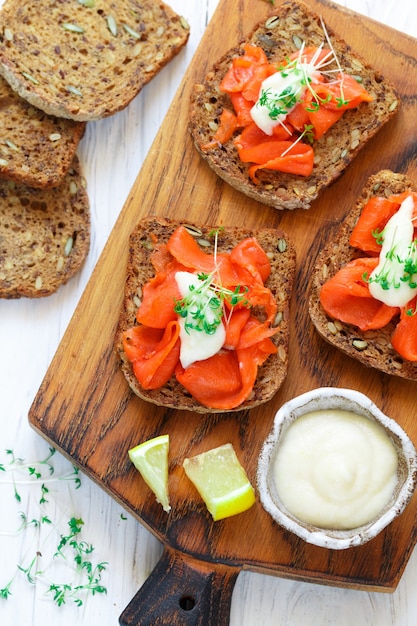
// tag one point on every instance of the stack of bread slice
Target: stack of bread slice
(62, 64)
(44, 207)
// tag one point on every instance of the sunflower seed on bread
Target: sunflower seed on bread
(35, 149)
(371, 348)
(140, 270)
(44, 235)
(290, 26)
(86, 59)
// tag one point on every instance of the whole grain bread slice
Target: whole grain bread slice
(44, 235)
(281, 253)
(86, 59)
(36, 149)
(282, 34)
(372, 348)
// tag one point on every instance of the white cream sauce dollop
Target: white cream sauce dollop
(335, 469)
(280, 92)
(397, 249)
(197, 345)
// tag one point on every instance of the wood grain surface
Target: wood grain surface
(85, 409)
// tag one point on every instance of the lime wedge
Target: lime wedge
(221, 481)
(151, 459)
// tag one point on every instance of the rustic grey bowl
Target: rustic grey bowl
(348, 399)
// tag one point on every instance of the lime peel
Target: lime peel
(221, 481)
(151, 460)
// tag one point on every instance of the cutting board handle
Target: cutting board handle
(182, 591)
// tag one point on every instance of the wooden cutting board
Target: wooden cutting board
(84, 407)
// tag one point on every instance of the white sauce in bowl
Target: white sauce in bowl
(335, 469)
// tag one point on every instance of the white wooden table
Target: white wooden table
(112, 153)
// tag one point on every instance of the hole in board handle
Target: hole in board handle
(187, 603)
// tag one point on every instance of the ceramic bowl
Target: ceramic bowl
(335, 398)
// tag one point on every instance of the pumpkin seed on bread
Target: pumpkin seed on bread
(44, 235)
(86, 59)
(36, 149)
(372, 348)
(145, 239)
(293, 27)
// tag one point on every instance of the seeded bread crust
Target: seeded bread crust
(140, 270)
(44, 235)
(281, 35)
(35, 149)
(86, 60)
(372, 348)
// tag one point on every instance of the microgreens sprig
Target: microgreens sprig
(296, 77)
(70, 549)
(308, 133)
(204, 306)
(317, 102)
(34, 472)
(396, 268)
(79, 551)
(280, 104)
(209, 296)
(378, 235)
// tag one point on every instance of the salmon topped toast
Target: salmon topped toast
(363, 297)
(281, 115)
(205, 319)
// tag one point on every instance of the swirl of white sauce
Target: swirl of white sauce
(335, 469)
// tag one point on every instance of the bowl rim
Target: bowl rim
(330, 397)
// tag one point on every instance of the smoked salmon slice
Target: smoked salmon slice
(154, 353)
(228, 124)
(375, 215)
(235, 324)
(225, 380)
(346, 297)
(159, 297)
(293, 159)
(404, 337)
(249, 255)
(372, 221)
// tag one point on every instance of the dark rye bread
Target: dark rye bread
(44, 235)
(281, 35)
(35, 149)
(372, 348)
(140, 270)
(86, 59)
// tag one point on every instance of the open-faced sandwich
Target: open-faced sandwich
(205, 319)
(281, 115)
(363, 296)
